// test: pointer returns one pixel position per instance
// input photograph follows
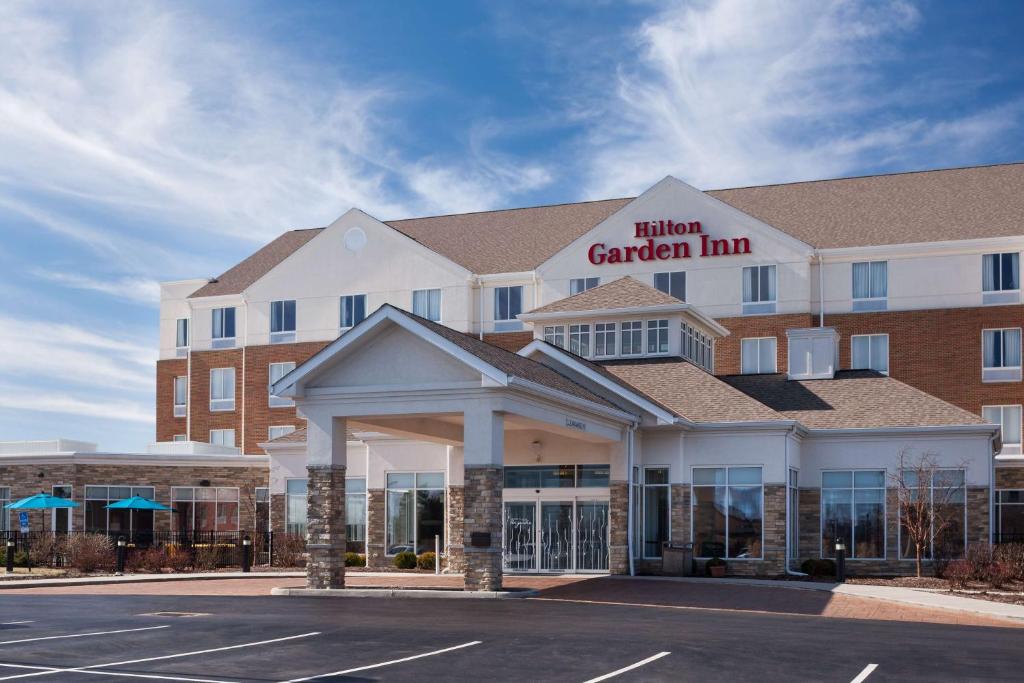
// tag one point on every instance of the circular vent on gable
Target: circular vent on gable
(355, 239)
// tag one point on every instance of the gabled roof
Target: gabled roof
(239, 277)
(854, 399)
(625, 292)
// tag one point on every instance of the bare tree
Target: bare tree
(928, 502)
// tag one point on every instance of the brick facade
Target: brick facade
(202, 420)
(167, 426)
(1009, 478)
(482, 495)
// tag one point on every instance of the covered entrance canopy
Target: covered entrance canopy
(399, 374)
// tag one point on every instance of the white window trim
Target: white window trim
(643, 338)
(415, 518)
(277, 401)
(1016, 447)
(341, 322)
(223, 342)
(1008, 369)
(225, 408)
(760, 370)
(853, 502)
(931, 546)
(615, 337)
(693, 504)
(1000, 297)
(282, 336)
(869, 303)
(647, 340)
(440, 302)
(291, 428)
(180, 409)
(755, 307)
(643, 506)
(589, 335)
(871, 336)
(131, 517)
(234, 437)
(181, 351)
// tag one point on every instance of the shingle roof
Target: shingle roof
(625, 292)
(854, 399)
(298, 436)
(239, 277)
(690, 392)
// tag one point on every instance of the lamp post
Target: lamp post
(246, 553)
(840, 560)
(121, 547)
(10, 556)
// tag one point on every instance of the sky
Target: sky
(145, 142)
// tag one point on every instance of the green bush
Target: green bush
(818, 567)
(355, 560)
(405, 560)
(426, 560)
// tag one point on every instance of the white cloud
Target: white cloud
(14, 397)
(134, 289)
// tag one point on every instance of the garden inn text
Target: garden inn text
(593, 381)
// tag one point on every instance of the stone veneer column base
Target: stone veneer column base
(325, 525)
(455, 503)
(376, 524)
(618, 527)
(482, 501)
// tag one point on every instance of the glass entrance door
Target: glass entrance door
(555, 536)
(520, 537)
(591, 536)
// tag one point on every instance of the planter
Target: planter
(717, 571)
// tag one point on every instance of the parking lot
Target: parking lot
(235, 639)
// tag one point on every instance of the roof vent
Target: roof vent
(813, 353)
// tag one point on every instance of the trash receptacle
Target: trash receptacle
(677, 559)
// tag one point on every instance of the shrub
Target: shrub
(958, 573)
(152, 560)
(818, 567)
(405, 560)
(179, 559)
(426, 560)
(47, 550)
(1012, 554)
(999, 574)
(355, 560)
(979, 559)
(289, 550)
(210, 556)
(89, 552)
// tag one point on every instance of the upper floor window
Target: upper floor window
(555, 334)
(1009, 420)
(870, 285)
(222, 389)
(673, 283)
(604, 339)
(277, 371)
(179, 437)
(582, 284)
(632, 338)
(758, 355)
(180, 396)
(657, 336)
(1000, 278)
(579, 340)
(282, 321)
(697, 347)
(277, 431)
(1001, 355)
(181, 336)
(223, 437)
(353, 309)
(426, 303)
(870, 352)
(508, 303)
(759, 289)
(223, 327)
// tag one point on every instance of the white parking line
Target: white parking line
(624, 669)
(865, 673)
(85, 669)
(388, 663)
(82, 635)
(161, 677)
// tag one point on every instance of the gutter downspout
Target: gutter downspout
(991, 490)
(789, 508)
(821, 291)
(630, 432)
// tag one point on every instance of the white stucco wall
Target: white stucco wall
(174, 304)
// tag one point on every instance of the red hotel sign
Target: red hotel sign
(599, 253)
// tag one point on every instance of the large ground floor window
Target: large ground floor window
(100, 520)
(202, 509)
(853, 511)
(1010, 516)
(295, 502)
(5, 514)
(415, 511)
(652, 511)
(948, 495)
(728, 512)
(355, 515)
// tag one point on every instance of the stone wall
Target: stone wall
(376, 522)
(325, 523)
(773, 550)
(618, 528)
(455, 501)
(482, 499)
(1009, 478)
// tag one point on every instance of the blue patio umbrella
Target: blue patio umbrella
(41, 501)
(138, 503)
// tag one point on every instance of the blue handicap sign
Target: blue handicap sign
(23, 522)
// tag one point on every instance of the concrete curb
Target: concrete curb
(142, 578)
(440, 593)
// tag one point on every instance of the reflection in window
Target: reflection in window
(130, 523)
(295, 506)
(728, 512)
(355, 515)
(205, 509)
(947, 497)
(853, 510)
(415, 511)
(656, 510)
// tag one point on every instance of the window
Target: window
(181, 336)
(353, 310)
(1010, 516)
(355, 515)
(415, 511)
(853, 509)
(947, 492)
(1009, 420)
(1000, 355)
(632, 338)
(870, 285)
(604, 339)
(205, 509)
(262, 508)
(282, 321)
(579, 340)
(1000, 278)
(5, 517)
(277, 431)
(697, 347)
(870, 352)
(295, 506)
(276, 372)
(582, 284)
(794, 514)
(61, 517)
(673, 283)
(179, 437)
(657, 336)
(134, 524)
(222, 437)
(557, 476)
(656, 510)
(508, 303)
(223, 327)
(222, 389)
(759, 289)
(426, 303)
(728, 512)
(180, 396)
(758, 355)
(555, 334)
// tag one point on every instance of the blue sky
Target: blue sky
(147, 142)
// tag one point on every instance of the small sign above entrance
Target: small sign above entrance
(575, 424)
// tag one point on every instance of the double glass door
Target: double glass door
(556, 536)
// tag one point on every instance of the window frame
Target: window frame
(556, 331)
(643, 486)
(270, 428)
(871, 342)
(1001, 373)
(1000, 296)
(222, 403)
(759, 341)
(280, 319)
(670, 275)
(872, 302)
(997, 533)
(180, 409)
(693, 504)
(758, 305)
(582, 333)
(613, 331)
(277, 401)
(288, 524)
(587, 283)
(352, 300)
(181, 324)
(510, 322)
(109, 500)
(216, 502)
(622, 336)
(415, 488)
(853, 510)
(930, 556)
(660, 327)
(234, 437)
(219, 340)
(427, 294)
(1017, 447)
